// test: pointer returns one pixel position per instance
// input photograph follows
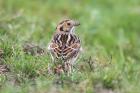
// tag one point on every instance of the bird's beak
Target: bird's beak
(76, 23)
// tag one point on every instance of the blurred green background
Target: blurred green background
(109, 31)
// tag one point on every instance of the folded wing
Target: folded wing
(65, 46)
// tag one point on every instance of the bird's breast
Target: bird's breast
(65, 44)
(64, 40)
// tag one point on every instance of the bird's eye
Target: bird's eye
(61, 28)
(68, 24)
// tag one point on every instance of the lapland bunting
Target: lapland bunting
(65, 44)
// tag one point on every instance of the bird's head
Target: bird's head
(67, 26)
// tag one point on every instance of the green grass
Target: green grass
(110, 33)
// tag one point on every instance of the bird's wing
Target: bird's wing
(54, 46)
(71, 51)
(54, 49)
(72, 47)
(65, 46)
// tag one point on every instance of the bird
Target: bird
(65, 45)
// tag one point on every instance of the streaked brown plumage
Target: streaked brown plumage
(65, 45)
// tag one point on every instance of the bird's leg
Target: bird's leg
(49, 69)
(53, 59)
(67, 68)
